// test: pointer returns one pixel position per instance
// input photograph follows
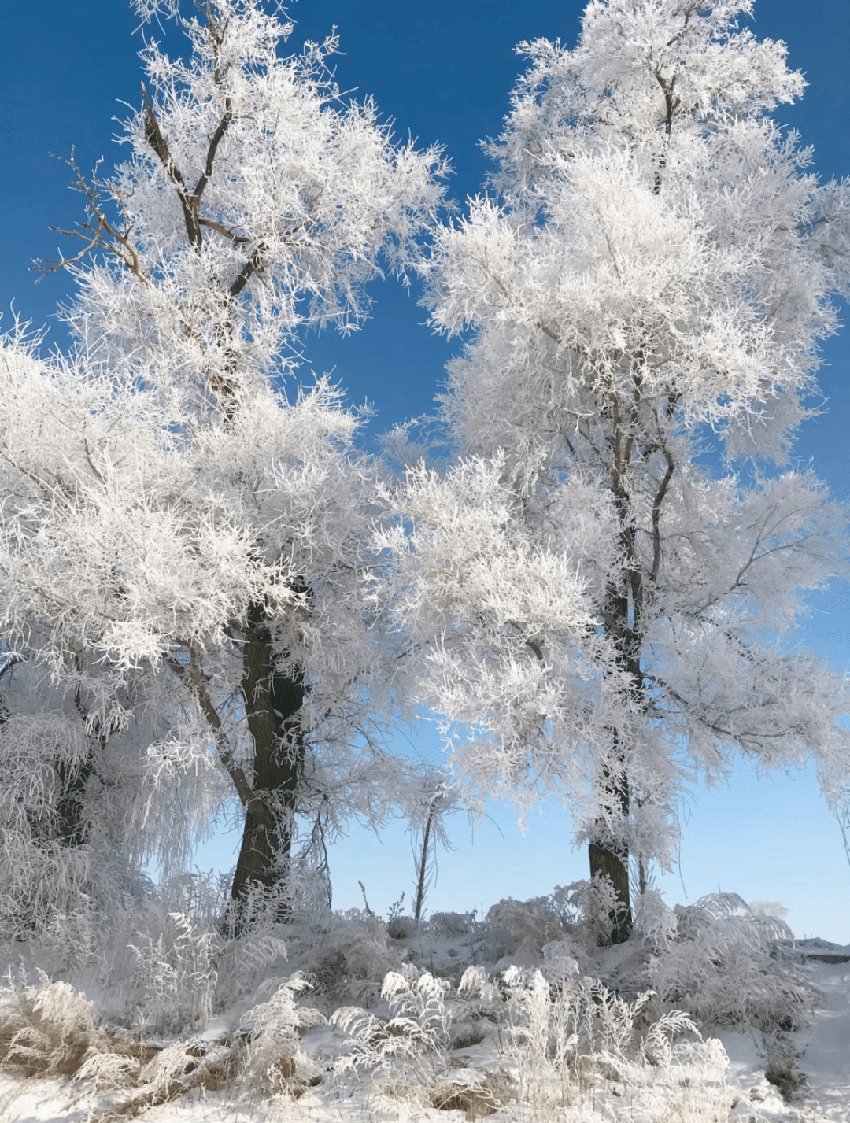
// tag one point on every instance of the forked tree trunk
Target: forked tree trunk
(272, 702)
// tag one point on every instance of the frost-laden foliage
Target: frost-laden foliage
(75, 819)
(559, 1041)
(272, 1028)
(169, 966)
(47, 1029)
(350, 957)
(581, 1025)
(544, 1041)
(185, 528)
(573, 919)
(177, 975)
(414, 1042)
(598, 585)
(725, 967)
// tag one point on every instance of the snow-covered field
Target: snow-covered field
(715, 1015)
(823, 1049)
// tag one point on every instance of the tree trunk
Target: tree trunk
(604, 859)
(272, 702)
(614, 864)
(607, 863)
(71, 826)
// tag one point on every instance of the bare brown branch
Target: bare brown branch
(154, 137)
(213, 225)
(253, 266)
(217, 136)
(97, 231)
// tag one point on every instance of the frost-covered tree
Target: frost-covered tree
(599, 585)
(176, 508)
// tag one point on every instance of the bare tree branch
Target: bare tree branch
(193, 678)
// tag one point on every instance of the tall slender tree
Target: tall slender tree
(173, 500)
(601, 582)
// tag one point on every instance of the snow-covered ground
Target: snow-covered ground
(721, 1078)
(823, 1049)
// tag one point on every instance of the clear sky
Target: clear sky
(444, 71)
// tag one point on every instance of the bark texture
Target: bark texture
(272, 701)
(72, 826)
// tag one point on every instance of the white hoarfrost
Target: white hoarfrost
(174, 503)
(598, 585)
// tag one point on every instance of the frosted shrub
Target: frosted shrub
(46, 1029)
(563, 1038)
(420, 1000)
(272, 1028)
(351, 958)
(108, 1072)
(414, 1043)
(600, 909)
(521, 928)
(452, 923)
(58, 895)
(164, 1074)
(243, 963)
(177, 975)
(580, 916)
(655, 923)
(259, 910)
(723, 969)
(203, 895)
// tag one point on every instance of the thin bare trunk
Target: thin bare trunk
(423, 867)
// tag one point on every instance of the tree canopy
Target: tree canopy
(217, 594)
(600, 583)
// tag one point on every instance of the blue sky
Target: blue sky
(444, 71)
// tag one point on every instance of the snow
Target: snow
(825, 1045)
(823, 1048)
(726, 1081)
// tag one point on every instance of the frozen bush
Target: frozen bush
(655, 924)
(176, 975)
(563, 1038)
(723, 968)
(414, 1043)
(559, 960)
(351, 958)
(272, 1029)
(520, 929)
(452, 923)
(245, 962)
(46, 1030)
(582, 913)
